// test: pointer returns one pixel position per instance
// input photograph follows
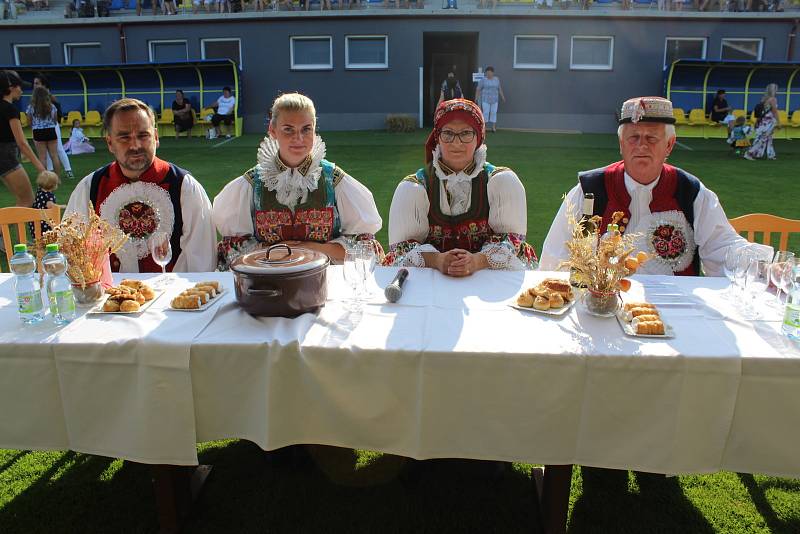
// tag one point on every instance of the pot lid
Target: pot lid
(279, 259)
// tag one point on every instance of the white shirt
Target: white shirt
(225, 105)
(198, 240)
(713, 234)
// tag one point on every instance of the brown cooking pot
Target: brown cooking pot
(281, 281)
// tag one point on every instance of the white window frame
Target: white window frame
(365, 66)
(668, 39)
(203, 42)
(165, 41)
(68, 46)
(537, 66)
(759, 40)
(315, 66)
(580, 66)
(30, 45)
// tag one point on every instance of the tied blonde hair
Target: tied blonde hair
(292, 102)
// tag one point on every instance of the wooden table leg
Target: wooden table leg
(176, 487)
(555, 498)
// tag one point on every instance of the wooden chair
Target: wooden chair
(20, 217)
(766, 224)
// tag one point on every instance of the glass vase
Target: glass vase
(88, 295)
(601, 303)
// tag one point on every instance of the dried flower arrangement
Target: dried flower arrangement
(85, 243)
(602, 263)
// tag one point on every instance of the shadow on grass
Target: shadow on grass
(607, 505)
(756, 491)
(291, 490)
(12, 460)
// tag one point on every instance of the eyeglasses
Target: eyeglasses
(448, 136)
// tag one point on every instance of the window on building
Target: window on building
(366, 52)
(222, 49)
(592, 53)
(32, 54)
(83, 54)
(165, 51)
(311, 52)
(684, 48)
(746, 49)
(535, 51)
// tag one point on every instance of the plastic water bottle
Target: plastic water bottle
(59, 288)
(791, 316)
(29, 294)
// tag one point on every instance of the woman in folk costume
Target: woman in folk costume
(459, 214)
(294, 195)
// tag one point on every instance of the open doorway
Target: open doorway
(443, 53)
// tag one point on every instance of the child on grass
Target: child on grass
(46, 182)
(740, 135)
(78, 142)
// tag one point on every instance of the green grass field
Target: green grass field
(253, 491)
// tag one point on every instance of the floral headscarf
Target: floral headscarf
(453, 110)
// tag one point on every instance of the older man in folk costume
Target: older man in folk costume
(682, 223)
(142, 194)
(459, 214)
(294, 195)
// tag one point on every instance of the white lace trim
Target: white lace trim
(290, 185)
(502, 256)
(154, 196)
(459, 184)
(414, 257)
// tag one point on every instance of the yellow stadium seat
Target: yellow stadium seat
(205, 112)
(783, 118)
(71, 116)
(796, 118)
(739, 113)
(697, 117)
(680, 116)
(167, 117)
(93, 118)
(25, 121)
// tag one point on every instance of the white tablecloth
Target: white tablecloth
(450, 371)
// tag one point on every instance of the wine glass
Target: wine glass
(731, 257)
(353, 270)
(758, 277)
(369, 259)
(790, 275)
(161, 250)
(740, 266)
(779, 264)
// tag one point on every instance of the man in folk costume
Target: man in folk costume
(459, 214)
(681, 222)
(142, 194)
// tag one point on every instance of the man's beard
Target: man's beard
(143, 164)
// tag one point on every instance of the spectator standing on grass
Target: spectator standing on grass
(44, 123)
(766, 113)
(488, 94)
(183, 115)
(12, 141)
(223, 114)
(450, 89)
(41, 80)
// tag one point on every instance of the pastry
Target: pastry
(111, 306)
(186, 302)
(636, 312)
(129, 306)
(525, 299)
(651, 328)
(629, 305)
(556, 300)
(147, 292)
(213, 284)
(645, 318)
(211, 290)
(202, 295)
(541, 303)
(135, 284)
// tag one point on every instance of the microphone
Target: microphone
(394, 290)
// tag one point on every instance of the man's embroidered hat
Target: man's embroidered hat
(647, 109)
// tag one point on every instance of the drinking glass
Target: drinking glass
(161, 249)
(353, 269)
(731, 256)
(789, 276)
(740, 266)
(780, 263)
(369, 259)
(758, 276)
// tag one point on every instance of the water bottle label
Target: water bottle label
(62, 302)
(792, 316)
(30, 302)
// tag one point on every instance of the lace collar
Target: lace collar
(291, 186)
(473, 169)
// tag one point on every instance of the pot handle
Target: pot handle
(279, 245)
(270, 293)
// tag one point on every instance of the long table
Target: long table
(449, 371)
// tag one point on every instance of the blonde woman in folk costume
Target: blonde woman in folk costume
(294, 195)
(459, 214)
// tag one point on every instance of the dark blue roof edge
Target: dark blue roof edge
(123, 65)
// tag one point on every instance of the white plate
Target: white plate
(558, 311)
(629, 330)
(203, 307)
(97, 309)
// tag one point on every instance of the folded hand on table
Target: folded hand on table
(459, 262)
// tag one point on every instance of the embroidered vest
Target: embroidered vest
(676, 190)
(102, 184)
(316, 219)
(468, 231)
